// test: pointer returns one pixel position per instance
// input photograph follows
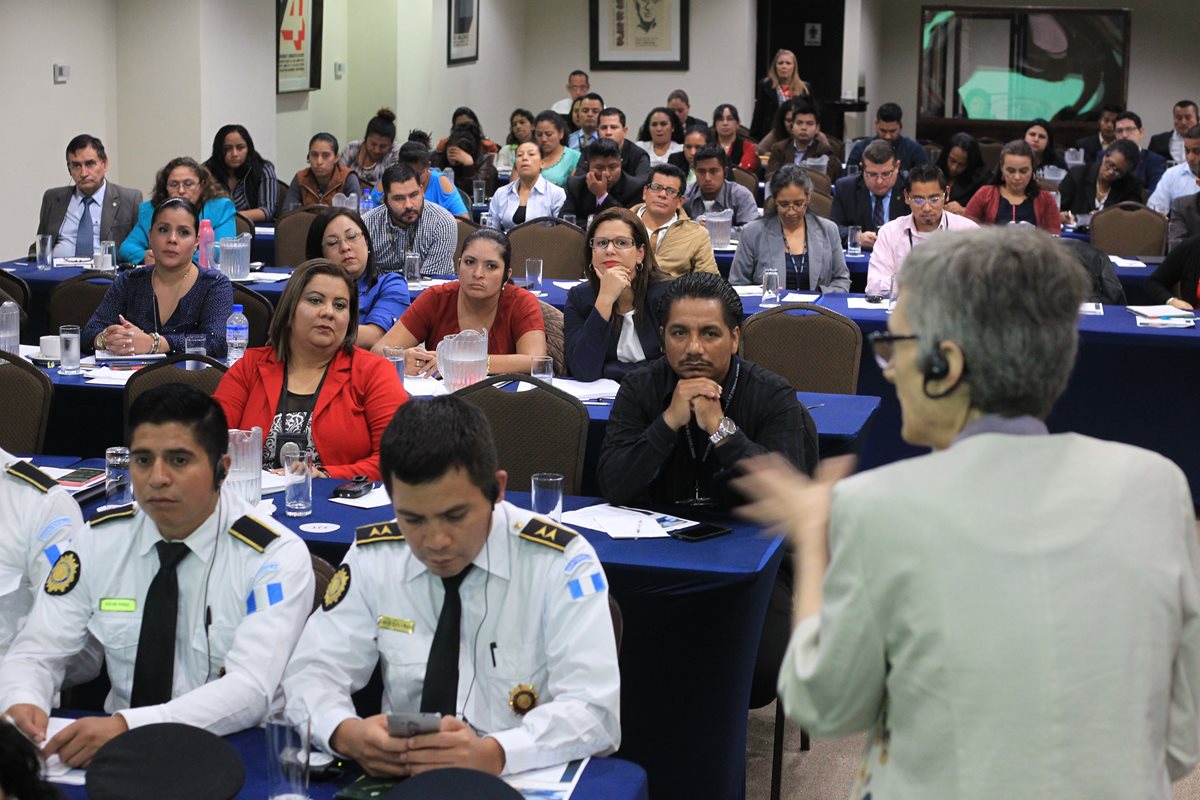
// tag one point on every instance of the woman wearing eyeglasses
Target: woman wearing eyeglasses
(183, 178)
(1089, 188)
(805, 248)
(611, 322)
(341, 236)
(528, 197)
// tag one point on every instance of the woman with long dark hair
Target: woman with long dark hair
(660, 135)
(738, 149)
(248, 177)
(961, 162)
(520, 131)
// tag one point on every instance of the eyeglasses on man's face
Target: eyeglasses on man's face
(669, 191)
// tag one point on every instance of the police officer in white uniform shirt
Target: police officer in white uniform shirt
(478, 610)
(37, 519)
(196, 600)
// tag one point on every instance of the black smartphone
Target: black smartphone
(356, 487)
(699, 532)
(874, 298)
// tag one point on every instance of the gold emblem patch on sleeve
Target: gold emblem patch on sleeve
(335, 592)
(522, 699)
(64, 575)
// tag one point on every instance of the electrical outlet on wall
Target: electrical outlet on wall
(62, 72)
(339, 70)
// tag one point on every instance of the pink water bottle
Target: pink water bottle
(207, 237)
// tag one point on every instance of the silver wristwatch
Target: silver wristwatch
(725, 429)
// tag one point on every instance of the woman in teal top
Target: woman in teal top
(184, 178)
(558, 162)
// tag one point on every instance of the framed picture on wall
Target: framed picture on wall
(638, 34)
(298, 45)
(462, 31)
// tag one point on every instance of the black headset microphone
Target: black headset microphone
(936, 368)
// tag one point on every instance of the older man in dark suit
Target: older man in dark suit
(870, 199)
(92, 209)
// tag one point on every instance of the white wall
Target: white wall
(377, 44)
(237, 70)
(40, 117)
(1162, 54)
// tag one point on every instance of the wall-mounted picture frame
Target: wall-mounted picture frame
(298, 45)
(462, 31)
(638, 34)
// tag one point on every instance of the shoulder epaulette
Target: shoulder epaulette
(110, 514)
(378, 532)
(545, 532)
(32, 475)
(252, 532)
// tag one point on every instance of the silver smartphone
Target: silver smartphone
(411, 723)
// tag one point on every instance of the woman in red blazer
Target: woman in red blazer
(311, 385)
(1013, 195)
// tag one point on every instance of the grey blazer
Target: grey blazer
(116, 220)
(1185, 220)
(761, 245)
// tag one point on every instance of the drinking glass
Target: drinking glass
(45, 252)
(770, 288)
(289, 747)
(118, 490)
(478, 192)
(853, 246)
(297, 483)
(533, 274)
(547, 495)
(106, 256)
(195, 344)
(412, 266)
(542, 368)
(68, 338)
(396, 356)
(569, 218)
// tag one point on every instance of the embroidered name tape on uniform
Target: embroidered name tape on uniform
(120, 512)
(64, 575)
(125, 604)
(264, 597)
(546, 532)
(588, 584)
(252, 532)
(335, 592)
(31, 475)
(397, 625)
(378, 532)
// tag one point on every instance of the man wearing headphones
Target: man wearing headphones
(926, 197)
(196, 600)
(479, 611)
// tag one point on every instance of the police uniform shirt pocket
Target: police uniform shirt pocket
(516, 678)
(117, 632)
(403, 657)
(213, 646)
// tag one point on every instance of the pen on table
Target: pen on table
(815, 405)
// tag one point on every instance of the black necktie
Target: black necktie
(440, 691)
(877, 212)
(154, 669)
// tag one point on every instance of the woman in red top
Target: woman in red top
(481, 298)
(738, 149)
(311, 385)
(1014, 195)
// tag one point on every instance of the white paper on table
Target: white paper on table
(796, 297)
(619, 523)
(264, 230)
(550, 783)
(74, 261)
(108, 377)
(1094, 309)
(54, 770)
(588, 390)
(861, 302)
(748, 291)
(376, 498)
(266, 507)
(1127, 262)
(272, 483)
(424, 387)
(1160, 311)
(568, 285)
(263, 277)
(1166, 322)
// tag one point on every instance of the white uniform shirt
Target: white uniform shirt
(226, 673)
(34, 526)
(532, 615)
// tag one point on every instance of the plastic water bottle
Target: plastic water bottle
(10, 327)
(237, 334)
(207, 237)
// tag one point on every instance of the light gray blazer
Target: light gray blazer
(761, 245)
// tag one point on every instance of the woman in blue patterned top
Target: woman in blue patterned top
(183, 178)
(249, 178)
(341, 236)
(151, 309)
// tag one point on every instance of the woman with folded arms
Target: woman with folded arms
(529, 196)
(558, 161)
(611, 323)
(311, 386)
(481, 298)
(1014, 195)
(151, 309)
(805, 248)
(324, 178)
(341, 236)
(660, 135)
(248, 176)
(185, 179)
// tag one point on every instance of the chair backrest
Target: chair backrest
(25, 393)
(465, 229)
(258, 311)
(16, 288)
(558, 243)
(290, 234)
(322, 575)
(173, 369)
(73, 301)
(1129, 229)
(932, 149)
(816, 351)
(282, 187)
(552, 318)
(748, 180)
(821, 205)
(990, 148)
(243, 225)
(820, 181)
(541, 430)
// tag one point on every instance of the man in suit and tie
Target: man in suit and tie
(871, 198)
(90, 211)
(1169, 144)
